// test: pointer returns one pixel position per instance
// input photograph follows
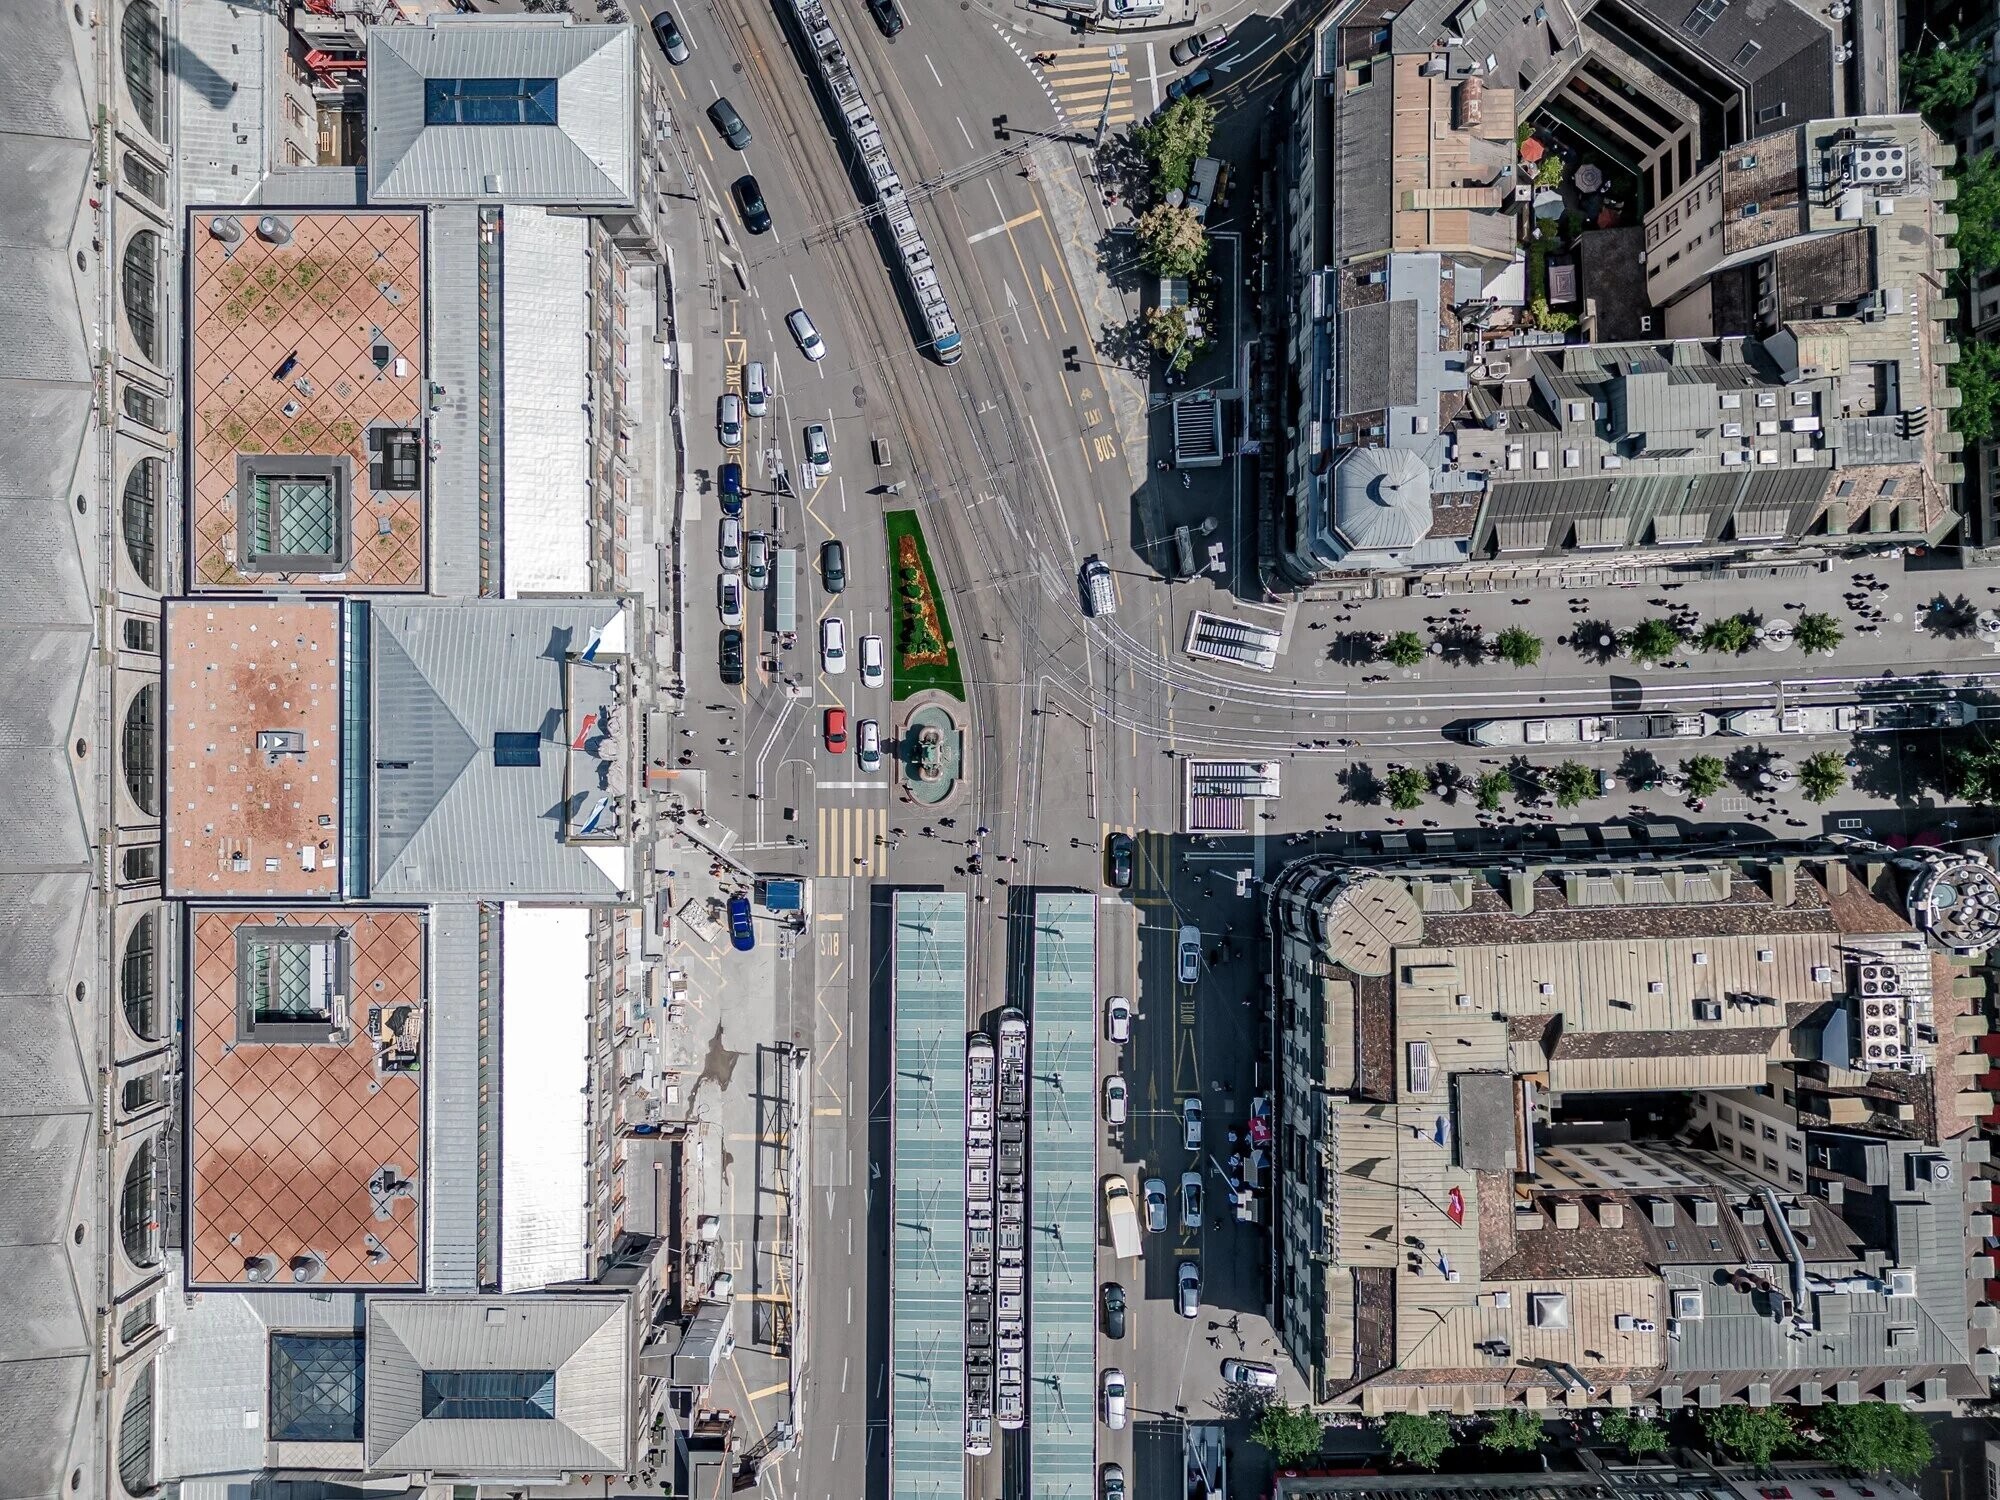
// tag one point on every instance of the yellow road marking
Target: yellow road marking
(769, 1390)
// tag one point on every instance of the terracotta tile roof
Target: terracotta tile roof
(287, 1137)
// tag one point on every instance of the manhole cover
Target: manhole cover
(860, 397)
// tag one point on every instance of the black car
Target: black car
(722, 114)
(833, 566)
(1200, 81)
(1118, 859)
(886, 15)
(1113, 1298)
(750, 204)
(729, 651)
(669, 35)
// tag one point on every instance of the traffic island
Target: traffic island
(926, 660)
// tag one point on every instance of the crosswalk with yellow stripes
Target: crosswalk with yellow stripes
(1091, 82)
(853, 841)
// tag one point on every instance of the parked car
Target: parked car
(1112, 1298)
(1118, 860)
(1190, 1200)
(1188, 48)
(809, 341)
(1111, 1482)
(1188, 1290)
(818, 453)
(1200, 81)
(1113, 1396)
(1126, 10)
(1114, 1099)
(1118, 1019)
(835, 727)
(886, 15)
(756, 389)
(729, 656)
(1191, 1123)
(757, 560)
(871, 661)
(729, 598)
(1251, 1372)
(868, 745)
(1154, 1192)
(729, 420)
(833, 645)
(833, 565)
(1188, 955)
(750, 203)
(730, 545)
(668, 35)
(742, 936)
(722, 114)
(721, 1286)
(729, 484)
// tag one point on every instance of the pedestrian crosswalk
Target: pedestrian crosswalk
(853, 841)
(1089, 83)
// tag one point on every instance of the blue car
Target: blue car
(741, 934)
(730, 482)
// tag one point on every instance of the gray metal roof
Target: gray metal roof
(452, 1147)
(1361, 180)
(588, 158)
(1381, 499)
(226, 106)
(1378, 342)
(48, 1150)
(927, 1266)
(456, 331)
(585, 1338)
(444, 678)
(1062, 1221)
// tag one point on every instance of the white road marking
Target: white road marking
(1153, 73)
(933, 67)
(966, 133)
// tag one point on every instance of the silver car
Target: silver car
(809, 341)
(1188, 1290)
(1155, 1195)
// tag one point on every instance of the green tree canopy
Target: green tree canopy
(1972, 769)
(1417, 1441)
(1405, 648)
(1573, 782)
(1171, 240)
(1653, 639)
(1512, 1430)
(1872, 1438)
(1977, 379)
(1550, 173)
(1978, 210)
(1822, 776)
(1703, 774)
(1817, 633)
(1754, 1434)
(1167, 335)
(1406, 786)
(1523, 648)
(1289, 1434)
(1492, 787)
(1174, 140)
(1942, 81)
(1638, 1436)
(1732, 633)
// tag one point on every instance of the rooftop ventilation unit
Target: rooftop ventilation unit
(1687, 1305)
(1877, 162)
(1902, 1283)
(1875, 979)
(1933, 1168)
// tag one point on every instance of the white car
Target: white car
(810, 344)
(1251, 1372)
(1118, 1019)
(1191, 1123)
(818, 454)
(1188, 1290)
(833, 645)
(871, 661)
(1114, 1099)
(729, 420)
(868, 745)
(756, 394)
(1113, 1397)
(1188, 955)
(729, 599)
(1154, 1194)
(1190, 1200)
(731, 546)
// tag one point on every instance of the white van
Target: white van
(1099, 596)
(756, 394)
(1130, 10)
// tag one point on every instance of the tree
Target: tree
(1513, 1430)
(1816, 633)
(1822, 776)
(1174, 140)
(1653, 639)
(1976, 377)
(1733, 634)
(1521, 647)
(1941, 82)
(1171, 240)
(1406, 786)
(1977, 237)
(1638, 1436)
(1548, 319)
(1403, 649)
(1972, 769)
(1754, 1434)
(1872, 1438)
(1289, 1434)
(1550, 173)
(1168, 334)
(1703, 775)
(1573, 782)
(1417, 1441)
(1493, 786)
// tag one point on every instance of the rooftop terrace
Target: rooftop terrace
(307, 365)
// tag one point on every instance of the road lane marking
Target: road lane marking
(1015, 246)
(966, 133)
(987, 234)
(933, 67)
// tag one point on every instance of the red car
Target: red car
(836, 731)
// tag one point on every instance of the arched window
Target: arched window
(139, 513)
(142, 43)
(138, 1214)
(142, 749)
(138, 982)
(135, 1437)
(140, 283)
